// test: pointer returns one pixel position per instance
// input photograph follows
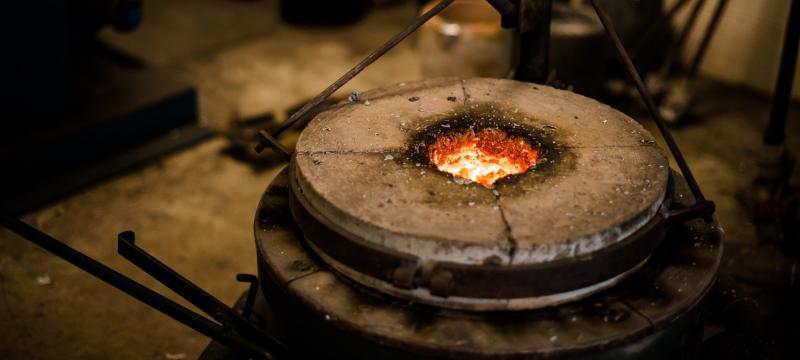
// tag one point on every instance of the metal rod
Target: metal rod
(533, 27)
(274, 143)
(297, 116)
(651, 105)
(247, 308)
(710, 30)
(776, 129)
(134, 289)
(700, 209)
(194, 294)
(646, 39)
(676, 47)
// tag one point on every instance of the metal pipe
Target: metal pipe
(534, 40)
(344, 79)
(134, 289)
(648, 100)
(776, 129)
(710, 30)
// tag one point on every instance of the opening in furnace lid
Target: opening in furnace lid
(482, 155)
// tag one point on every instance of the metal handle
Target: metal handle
(138, 291)
(194, 294)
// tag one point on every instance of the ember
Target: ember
(483, 156)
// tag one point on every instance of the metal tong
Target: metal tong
(230, 328)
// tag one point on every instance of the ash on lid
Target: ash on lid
(482, 155)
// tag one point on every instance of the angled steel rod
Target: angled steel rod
(676, 47)
(136, 290)
(648, 99)
(198, 297)
(710, 30)
(645, 39)
(300, 114)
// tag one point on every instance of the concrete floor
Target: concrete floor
(193, 210)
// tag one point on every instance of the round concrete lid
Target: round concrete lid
(602, 176)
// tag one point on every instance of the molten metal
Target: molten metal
(483, 156)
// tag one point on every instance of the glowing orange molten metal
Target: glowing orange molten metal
(483, 156)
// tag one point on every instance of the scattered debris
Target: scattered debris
(461, 181)
(44, 280)
(452, 98)
(413, 98)
(354, 96)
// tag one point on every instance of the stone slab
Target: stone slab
(601, 176)
(587, 199)
(381, 119)
(578, 120)
(399, 205)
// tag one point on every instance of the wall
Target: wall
(747, 46)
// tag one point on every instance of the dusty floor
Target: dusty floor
(193, 210)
